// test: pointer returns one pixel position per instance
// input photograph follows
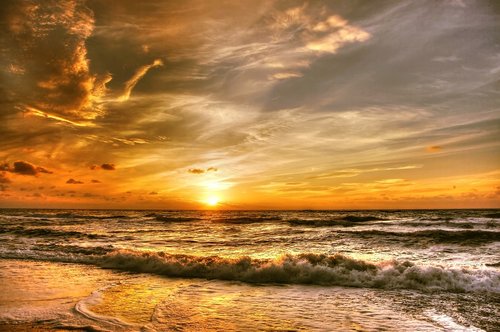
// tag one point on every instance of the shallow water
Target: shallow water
(251, 270)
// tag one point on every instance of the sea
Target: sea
(123, 270)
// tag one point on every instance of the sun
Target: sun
(212, 200)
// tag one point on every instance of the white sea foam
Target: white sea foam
(449, 324)
(83, 308)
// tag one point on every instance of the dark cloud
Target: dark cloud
(95, 181)
(105, 166)
(196, 171)
(201, 171)
(153, 193)
(43, 170)
(73, 181)
(24, 168)
(108, 167)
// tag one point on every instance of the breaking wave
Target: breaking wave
(316, 269)
(334, 270)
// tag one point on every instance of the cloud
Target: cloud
(47, 48)
(36, 112)
(284, 75)
(95, 181)
(338, 33)
(196, 171)
(4, 179)
(201, 171)
(24, 168)
(130, 84)
(347, 173)
(105, 166)
(73, 181)
(434, 148)
(108, 167)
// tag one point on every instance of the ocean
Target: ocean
(111, 270)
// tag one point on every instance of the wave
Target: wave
(37, 232)
(73, 249)
(308, 268)
(320, 223)
(175, 219)
(460, 225)
(465, 237)
(245, 220)
(360, 218)
(345, 221)
(334, 270)
(70, 215)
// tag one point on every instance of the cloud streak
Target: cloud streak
(138, 75)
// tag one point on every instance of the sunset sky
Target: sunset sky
(250, 104)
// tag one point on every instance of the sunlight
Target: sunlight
(212, 200)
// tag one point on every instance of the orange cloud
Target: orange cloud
(105, 166)
(201, 171)
(4, 179)
(196, 171)
(73, 181)
(434, 148)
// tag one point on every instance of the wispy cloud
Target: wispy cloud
(131, 83)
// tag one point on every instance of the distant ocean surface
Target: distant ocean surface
(404, 270)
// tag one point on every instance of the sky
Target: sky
(252, 104)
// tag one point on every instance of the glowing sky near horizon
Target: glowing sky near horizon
(250, 104)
